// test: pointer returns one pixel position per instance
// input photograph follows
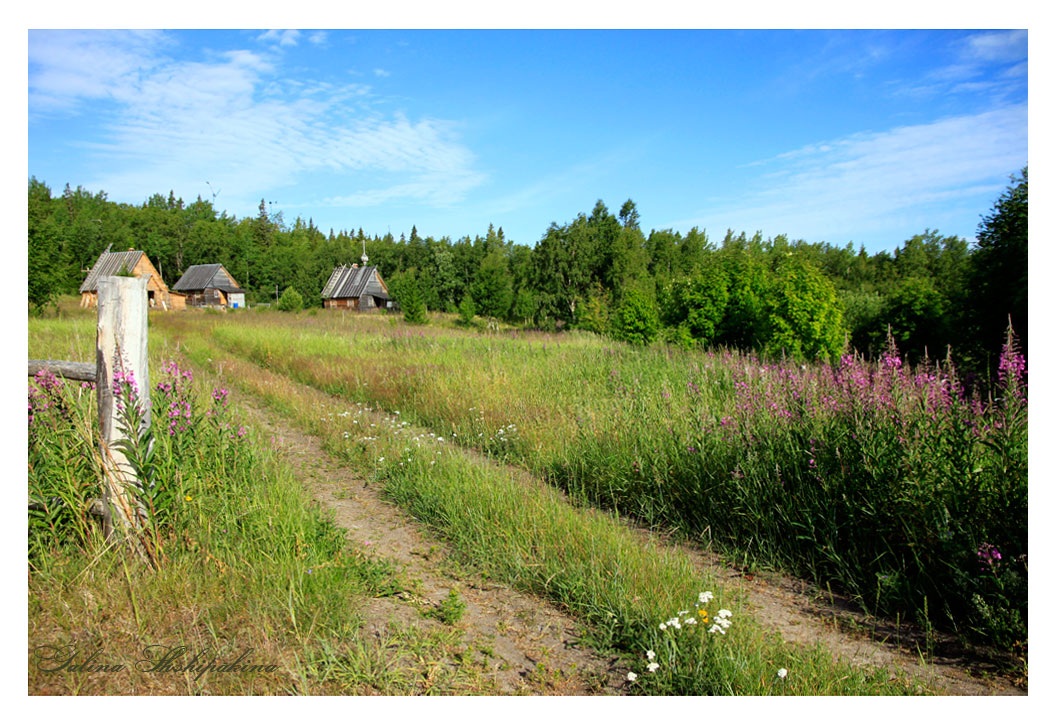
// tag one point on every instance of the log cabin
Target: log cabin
(210, 285)
(133, 263)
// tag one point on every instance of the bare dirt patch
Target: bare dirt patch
(524, 644)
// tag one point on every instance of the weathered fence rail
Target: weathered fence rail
(64, 369)
(121, 347)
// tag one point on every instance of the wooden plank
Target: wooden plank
(64, 369)
(121, 347)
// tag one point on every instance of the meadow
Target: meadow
(529, 452)
(238, 559)
(891, 484)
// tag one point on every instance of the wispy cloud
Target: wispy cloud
(67, 68)
(284, 38)
(235, 120)
(1008, 46)
(993, 61)
(381, 72)
(875, 182)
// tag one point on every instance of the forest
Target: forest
(934, 294)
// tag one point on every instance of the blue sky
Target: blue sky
(862, 136)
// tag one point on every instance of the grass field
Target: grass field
(526, 452)
(889, 484)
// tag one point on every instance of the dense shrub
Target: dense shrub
(291, 300)
(636, 319)
(407, 291)
(467, 310)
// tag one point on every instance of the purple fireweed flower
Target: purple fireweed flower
(989, 556)
(126, 390)
(1012, 366)
(220, 397)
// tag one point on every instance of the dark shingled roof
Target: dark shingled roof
(354, 282)
(206, 276)
(108, 265)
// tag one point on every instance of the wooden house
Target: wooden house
(210, 285)
(357, 288)
(135, 263)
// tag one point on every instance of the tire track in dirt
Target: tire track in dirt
(532, 644)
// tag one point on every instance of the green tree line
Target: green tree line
(599, 272)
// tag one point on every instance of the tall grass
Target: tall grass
(244, 561)
(626, 589)
(890, 484)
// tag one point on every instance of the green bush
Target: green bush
(524, 308)
(679, 336)
(467, 309)
(804, 317)
(409, 295)
(291, 300)
(594, 313)
(636, 319)
(699, 303)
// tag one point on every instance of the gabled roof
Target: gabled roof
(109, 264)
(206, 276)
(354, 282)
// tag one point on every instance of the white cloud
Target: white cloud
(284, 38)
(997, 47)
(235, 121)
(877, 181)
(978, 65)
(69, 67)
(381, 72)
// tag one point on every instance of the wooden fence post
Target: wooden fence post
(121, 347)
